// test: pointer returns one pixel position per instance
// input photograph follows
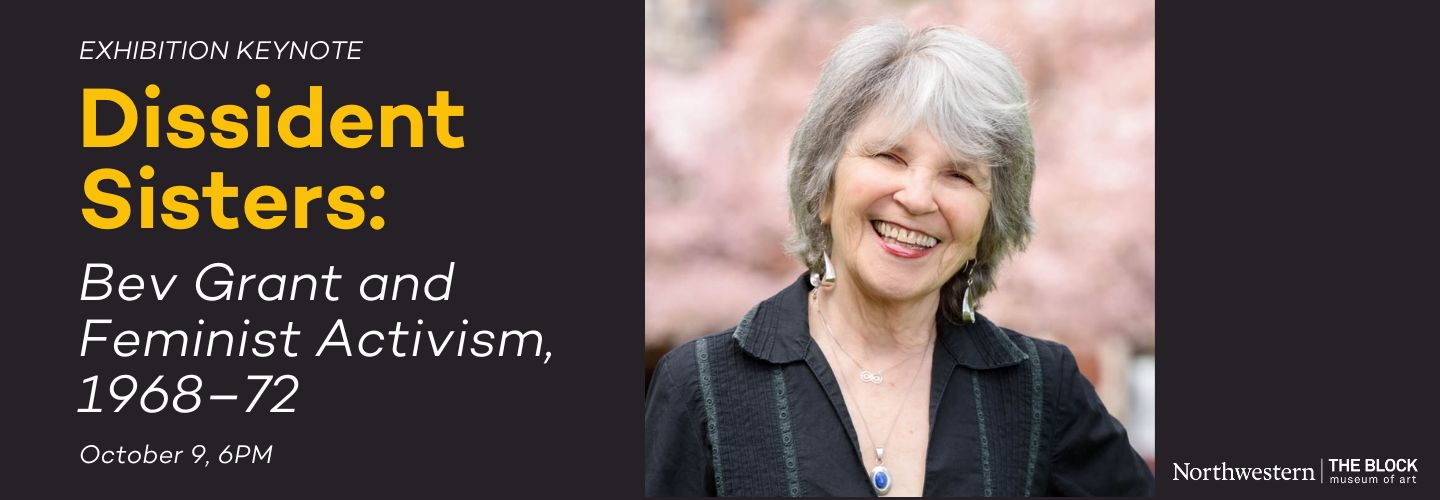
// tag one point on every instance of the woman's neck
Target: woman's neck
(885, 328)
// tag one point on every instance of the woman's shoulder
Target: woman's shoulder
(1051, 353)
(1068, 394)
(1056, 363)
(1089, 450)
(681, 366)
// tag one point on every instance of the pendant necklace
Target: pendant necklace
(880, 479)
(865, 375)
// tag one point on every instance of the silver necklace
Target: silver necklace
(865, 375)
(880, 479)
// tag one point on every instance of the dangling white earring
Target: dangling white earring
(828, 278)
(967, 311)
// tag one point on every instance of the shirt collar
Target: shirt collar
(777, 330)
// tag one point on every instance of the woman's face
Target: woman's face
(903, 219)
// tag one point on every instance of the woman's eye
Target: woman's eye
(888, 156)
(956, 174)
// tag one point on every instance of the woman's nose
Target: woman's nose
(916, 194)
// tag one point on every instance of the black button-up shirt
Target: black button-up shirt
(756, 411)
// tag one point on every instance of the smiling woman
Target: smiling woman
(909, 182)
(909, 199)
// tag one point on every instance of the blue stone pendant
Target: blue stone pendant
(880, 480)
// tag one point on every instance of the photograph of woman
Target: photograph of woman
(872, 373)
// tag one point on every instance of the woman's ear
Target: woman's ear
(826, 207)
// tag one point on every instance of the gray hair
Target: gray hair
(971, 97)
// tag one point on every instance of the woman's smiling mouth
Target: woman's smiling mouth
(903, 242)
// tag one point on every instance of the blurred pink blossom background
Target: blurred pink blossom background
(726, 83)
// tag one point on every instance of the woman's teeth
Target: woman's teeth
(897, 234)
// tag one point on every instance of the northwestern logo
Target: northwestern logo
(1224, 472)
